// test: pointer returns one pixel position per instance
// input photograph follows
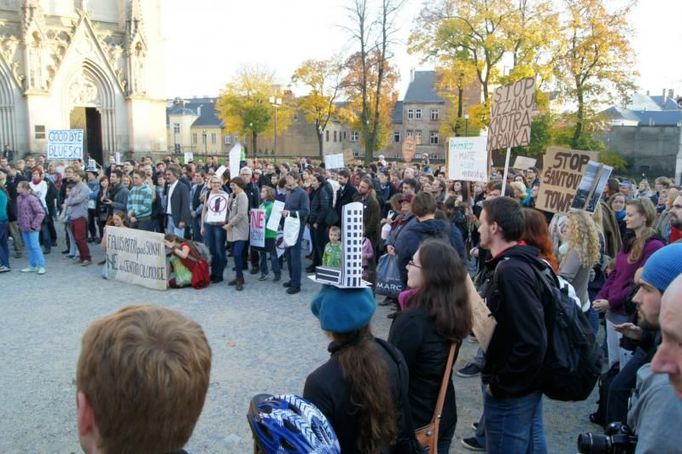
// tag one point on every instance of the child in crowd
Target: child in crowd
(332, 251)
(369, 269)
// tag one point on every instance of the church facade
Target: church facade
(95, 65)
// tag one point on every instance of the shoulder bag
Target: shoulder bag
(427, 436)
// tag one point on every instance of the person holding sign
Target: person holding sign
(267, 195)
(237, 228)
(213, 218)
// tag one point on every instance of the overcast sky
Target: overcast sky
(208, 40)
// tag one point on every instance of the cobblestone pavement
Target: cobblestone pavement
(263, 340)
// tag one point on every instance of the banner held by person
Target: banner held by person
(591, 186)
(561, 175)
(257, 231)
(334, 161)
(136, 257)
(275, 215)
(467, 159)
(235, 157)
(65, 144)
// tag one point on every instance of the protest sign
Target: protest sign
(257, 231)
(136, 257)
(348, 155)
(333, 161)
(467, 159)
(220, 171)
(235, 157)
(483, 322)
(563, 169)
(409, 148)
(118, 158)
(524, 163)
(216, 208)
(275, 215)
(65, 144)
(510, 116)
(189, 157)
(591, 186)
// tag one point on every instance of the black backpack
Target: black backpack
(572, 364)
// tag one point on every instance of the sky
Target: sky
(207, 41)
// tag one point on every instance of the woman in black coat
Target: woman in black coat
(436, 313)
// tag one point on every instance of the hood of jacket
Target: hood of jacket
(521, 251)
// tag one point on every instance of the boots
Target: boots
(238, 283)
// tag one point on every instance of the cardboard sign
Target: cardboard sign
(467, 159)
(334, 161)
(348, 155)
(234, 158)
(561, 175)
(189, 156)
(275, 215)
(216, 208)
(524, 163)
(484, 323)
(65, 144)
(591, 186)
(511, 113)
(136, 257)
(409, 148)
(257, 231)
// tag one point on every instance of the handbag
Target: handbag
(427, 435)
(389, 282)
(292, 228)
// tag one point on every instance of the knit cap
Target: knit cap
(663, 266)
(342, 310)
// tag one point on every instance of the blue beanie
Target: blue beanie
(343, 310)
(663, 266)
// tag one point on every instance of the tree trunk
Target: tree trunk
(580, 120)
(320, 143)
(254, 138)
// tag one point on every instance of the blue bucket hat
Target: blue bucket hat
(342, 310)
(663, 266)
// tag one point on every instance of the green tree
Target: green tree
(323, 80)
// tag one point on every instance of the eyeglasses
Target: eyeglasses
(411, 263)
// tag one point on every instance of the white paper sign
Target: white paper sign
(333, 161)
(257, 231)
(275, 215)
(467, 159)
(65, 144)
(523, 162)
(235, 156)
(189, 156)
(118, 158)
(136, 257)
(216, 208)
(220, 171)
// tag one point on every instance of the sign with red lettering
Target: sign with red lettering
(511, 114)
(257, 231)
(561, 175)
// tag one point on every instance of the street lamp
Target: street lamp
(275, 103)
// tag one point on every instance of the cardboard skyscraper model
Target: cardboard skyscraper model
(352, 235)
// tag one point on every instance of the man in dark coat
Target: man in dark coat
(345, 193)
(178, 214)
(372, 213)
(297, 204)
(320, 208)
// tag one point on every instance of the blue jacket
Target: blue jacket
(3, 205)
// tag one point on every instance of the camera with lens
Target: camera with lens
(618, 439)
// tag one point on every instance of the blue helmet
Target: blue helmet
(290, 424)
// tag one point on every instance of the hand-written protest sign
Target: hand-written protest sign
(235, 158)
(561, 175)
(522, 162)
(591, 186)
(65, 144)
(275, 215)
(189, 157)
(334, 161)
(257, 232)
(510, 116)
(136, 257)
(467, 159)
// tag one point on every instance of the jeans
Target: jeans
(237, 251)
(593, 318)
(4, 244)
(36, 259)
(274, 261)
(480, 430)
(621, 387)
(80, 234)
(514, 425)
(146, 224)
(45, 235)
(196, 229)
(172, 228)
(70, 240)
(214, 238)
(294, 263)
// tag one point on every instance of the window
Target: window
(433, 139)
(344, 135)
(213, 138)
(435, 114)
(326, 133)
(418, 114)
(227, 140)
(334, 136)
(418, 137)
(396, 136)
(40, 131)
(410, 133)
(410, 114)
(176, 128)
(194, 138)
(354, 136)
(203, 137)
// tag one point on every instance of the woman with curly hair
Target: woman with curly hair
(583, 251)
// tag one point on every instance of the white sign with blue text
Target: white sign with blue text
(65, 144)
(467, 159)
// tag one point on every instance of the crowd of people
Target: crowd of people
(621, 264)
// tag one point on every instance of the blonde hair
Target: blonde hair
(583, 237)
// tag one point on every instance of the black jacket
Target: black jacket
(344, 196)
(517, 349)
(179, 203)
(253, 193)
(321, 201)
(328, 391)
(426, 355)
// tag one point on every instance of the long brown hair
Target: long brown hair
(365, 372)
(646, 208)
(536, 233)
(444, 293)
